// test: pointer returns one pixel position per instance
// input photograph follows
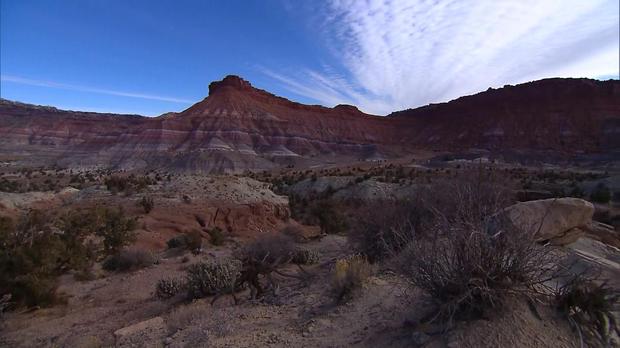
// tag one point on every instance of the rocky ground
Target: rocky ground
(120, 309)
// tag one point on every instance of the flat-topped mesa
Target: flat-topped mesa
(230, 81)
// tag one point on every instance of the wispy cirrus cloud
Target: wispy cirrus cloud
(397, 54)
(52, 84)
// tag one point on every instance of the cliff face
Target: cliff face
(240, 127)
(564, 115)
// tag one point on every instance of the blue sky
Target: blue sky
(150, 57)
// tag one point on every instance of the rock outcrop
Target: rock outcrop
(240, 127)
(560, 221)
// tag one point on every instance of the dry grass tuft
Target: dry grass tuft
(348, 276)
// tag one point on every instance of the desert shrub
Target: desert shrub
(128, 260)
(32, 255)
(262, 257)
(330, 220)
(168, 288)
(76, 226)
(193, 240)
(212, 278)
(348, 276)
(270, 250)
(589, 306)
(217, 236)
(471, 268)
(35, 289)
(183, 316)
(5, 303)
(472, 195)
(116, 229)
(382, 229)
(306, 257)
(177, 242)
(468, 258)
(576, 191)
(147, 203)
(8, 185)
(616, 197)
(600, 194)
(128, 184)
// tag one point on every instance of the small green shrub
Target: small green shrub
(116, 229)
(601, 194)
(168, 288)
(128, 260)
(147, 203)
(128, 184)
(217, 236)
(32, 255)
(212, 278)
(191, 240)
(177, 242)
(329, 218)
(589, 307)
(35, 290)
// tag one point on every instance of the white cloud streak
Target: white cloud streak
(56, 85)
(400, 54)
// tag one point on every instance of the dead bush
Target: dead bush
(128, 260)
(182, 317)
(263, 257)
(382, 229)
(471, 195)
(212, 278)
(348, 276)
(589, 307)
(471, 268)
(468, 259)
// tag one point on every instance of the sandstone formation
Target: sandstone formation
(240, 127)
(559, 220)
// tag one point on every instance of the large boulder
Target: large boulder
(562, 220)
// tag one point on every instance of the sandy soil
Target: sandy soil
(301, 315)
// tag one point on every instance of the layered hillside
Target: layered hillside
(561, 115)
(239, 127)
